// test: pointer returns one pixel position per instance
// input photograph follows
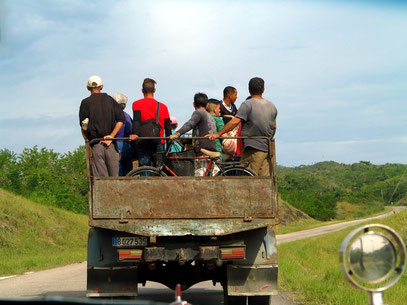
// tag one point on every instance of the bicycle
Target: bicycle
(214, 168)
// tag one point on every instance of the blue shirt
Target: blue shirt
(125, 131)
(176, 147)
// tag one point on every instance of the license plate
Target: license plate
(129, 241)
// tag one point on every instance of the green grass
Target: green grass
(310, 223)
(302, 224)
(310, 268)
(37, 237)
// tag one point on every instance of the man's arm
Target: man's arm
(193, 121)
(84, 134)
(228, 127)
(120, 119)
(116, 129)
(241, 115)
(83, 114)
(219, 124)
(136, 125)
(113, 133)
(167, 127)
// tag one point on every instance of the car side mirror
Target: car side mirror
(372, 258)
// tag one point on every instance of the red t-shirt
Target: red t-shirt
(148, 110)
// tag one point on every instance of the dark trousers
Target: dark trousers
(145, 152)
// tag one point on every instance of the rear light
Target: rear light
(232, 253)
(130, 254)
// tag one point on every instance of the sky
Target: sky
(336, 70)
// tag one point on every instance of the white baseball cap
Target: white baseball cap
(94, 81)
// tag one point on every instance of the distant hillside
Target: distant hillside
(60, 180)
(317, 188)
(34, 236)
(289, 214)
(292, 219)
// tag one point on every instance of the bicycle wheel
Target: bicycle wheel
(236, 171)
(146, 171)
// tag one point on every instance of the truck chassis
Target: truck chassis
(183, 230)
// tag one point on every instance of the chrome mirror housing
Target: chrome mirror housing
(372, 258)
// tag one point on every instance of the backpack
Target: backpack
(229, 146)
(151, 128)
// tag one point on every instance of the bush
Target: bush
(47, 177)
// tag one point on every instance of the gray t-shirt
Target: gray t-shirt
(258, 117)
(202, 123)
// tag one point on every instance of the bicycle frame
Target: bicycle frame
(166, 157)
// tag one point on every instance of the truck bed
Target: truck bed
(177, 206)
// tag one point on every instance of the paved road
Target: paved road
(283, 238)
(70, 281)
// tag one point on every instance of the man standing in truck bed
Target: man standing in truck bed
(101, 117)
(258, 117)
(228, 107)
(145, 110)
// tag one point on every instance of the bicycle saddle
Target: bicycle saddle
(212, 154)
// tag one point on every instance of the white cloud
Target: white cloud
(334, 70)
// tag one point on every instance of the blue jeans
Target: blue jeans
(145, 154)
(125, 157)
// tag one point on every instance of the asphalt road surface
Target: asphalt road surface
(70, 281)
(283, 238)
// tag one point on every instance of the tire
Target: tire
(146, 171)
(236, 171)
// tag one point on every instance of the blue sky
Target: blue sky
(336, 70)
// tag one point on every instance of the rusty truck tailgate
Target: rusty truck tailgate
(171, 203)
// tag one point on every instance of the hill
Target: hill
(316, 189)
(324, 191)
(289, 214)
(35, 237)
(292, 219)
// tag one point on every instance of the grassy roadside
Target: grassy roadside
(310, 267)
(36, 237)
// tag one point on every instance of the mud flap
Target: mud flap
(112, 282)
(252, 280)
